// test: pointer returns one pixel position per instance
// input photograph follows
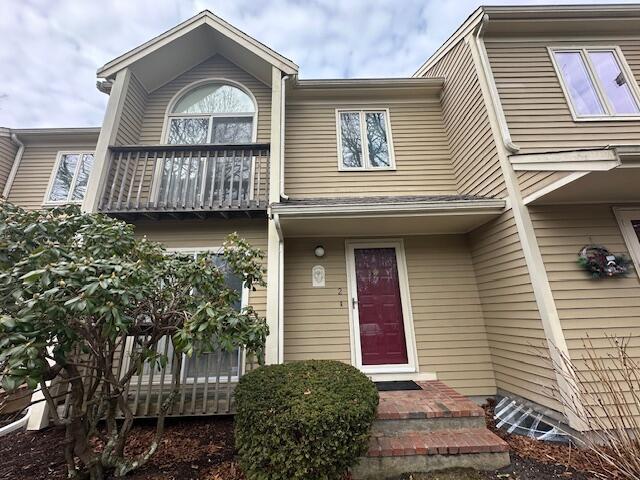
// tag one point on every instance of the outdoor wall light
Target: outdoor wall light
(319, 251)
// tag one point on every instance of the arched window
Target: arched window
(212, 113)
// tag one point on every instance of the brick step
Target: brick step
(413, 452)
(443, 442)
(426, 403)
(400, 427)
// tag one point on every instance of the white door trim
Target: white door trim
(354, 324)
(624, 216)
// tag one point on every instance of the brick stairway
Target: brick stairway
(429, 429)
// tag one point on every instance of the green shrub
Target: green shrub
(303, 420)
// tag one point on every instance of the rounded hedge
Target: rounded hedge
(303, 420)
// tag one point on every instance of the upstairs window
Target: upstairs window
(212, 113)
(364, 140)
(597, 82)
(70, 177)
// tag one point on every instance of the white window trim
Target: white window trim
(604, 100)
(244, 302)
(407, 315)
(624, 215)
(50, 203)
(363, 138)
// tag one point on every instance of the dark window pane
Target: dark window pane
(207, 365)
(636, 227)
(377, 139)
(83, 177)
(232, 130)
(351, 139)
(613, 82)
(64, 178)
(188, 131)
(578, 83)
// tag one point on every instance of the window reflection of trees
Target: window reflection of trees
(72, 166)
(376, 265)
(64, 178)
(351, 140)
(377, 139)
(364, 139)
(215, 99)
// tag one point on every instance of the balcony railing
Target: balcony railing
(204, 383)
(187, 178)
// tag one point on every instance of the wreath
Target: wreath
(600, 262)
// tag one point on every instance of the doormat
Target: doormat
(397, 386)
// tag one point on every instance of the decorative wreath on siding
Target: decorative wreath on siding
(600, 262)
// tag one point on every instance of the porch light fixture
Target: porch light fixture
(319, 251)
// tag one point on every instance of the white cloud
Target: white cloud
(50, 50)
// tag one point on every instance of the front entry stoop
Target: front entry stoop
(429, 429)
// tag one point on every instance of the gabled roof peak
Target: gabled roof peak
(188, 44)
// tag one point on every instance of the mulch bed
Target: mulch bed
(203, 448)
(192, 448)
(532, 459)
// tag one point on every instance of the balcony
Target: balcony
(187, 180)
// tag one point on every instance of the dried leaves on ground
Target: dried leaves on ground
(194, 448)
(566, 460)
(203, 449)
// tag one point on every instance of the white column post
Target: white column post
(272, 353)
(530, 248)
(106, 138)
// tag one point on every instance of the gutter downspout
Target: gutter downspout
(276, 221)
(282, 122)
(14, 168)
(495, 97)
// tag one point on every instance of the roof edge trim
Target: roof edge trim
(203, 18)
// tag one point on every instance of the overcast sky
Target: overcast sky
(50, 49)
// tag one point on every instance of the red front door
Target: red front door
(382, 337)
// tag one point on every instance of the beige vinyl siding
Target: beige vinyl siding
(216, 67)
(514, 328)
(473, 150)
(132, 113)
(38, 159)
(537, 111)
(450, 335)
(209, 234)
(7, 155)
(316, 320)
(422, 157)
(586, 305)
(530, 181)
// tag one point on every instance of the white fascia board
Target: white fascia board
(203, 18)
(456, 37)
(460, 207)
(576, 160)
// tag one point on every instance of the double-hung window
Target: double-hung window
(597, 82)
(364, 140)
(68, 183)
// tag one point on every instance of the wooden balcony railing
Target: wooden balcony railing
(187, 178)
(205, 383)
